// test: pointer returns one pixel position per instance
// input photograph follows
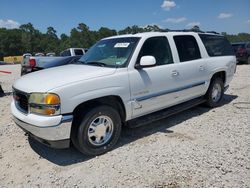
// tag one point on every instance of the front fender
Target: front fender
(73, 95)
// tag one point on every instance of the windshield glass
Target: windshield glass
(110, 52)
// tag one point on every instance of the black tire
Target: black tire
(210, 100)
(80, 137)
(248, 60)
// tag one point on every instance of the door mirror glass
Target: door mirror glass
(147, 61)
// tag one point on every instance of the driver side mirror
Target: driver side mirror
(146, 61)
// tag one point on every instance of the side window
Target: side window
(66, 53)
(187, 48)
(78, 52)
(248, 46)
(159, 48)
(217, 45)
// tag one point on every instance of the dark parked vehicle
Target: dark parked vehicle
(2, 63)
(242, 52)
(31, 64)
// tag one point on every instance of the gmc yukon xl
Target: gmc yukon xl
(122, 80)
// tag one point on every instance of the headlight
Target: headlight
(44, 103)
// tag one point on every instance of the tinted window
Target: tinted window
(187, 48)
(248, 46)
(237, 46)
(159, 48)
(78, 52)
(216, 45)
(66, 53)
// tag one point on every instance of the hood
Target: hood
(48, 79)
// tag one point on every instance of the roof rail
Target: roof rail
(196, 31)
(190, 30)
(214, 32)
(186, 30)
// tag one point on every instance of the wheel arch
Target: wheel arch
(111, 100)
(220, 74)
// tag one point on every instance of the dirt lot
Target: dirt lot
(197, 148)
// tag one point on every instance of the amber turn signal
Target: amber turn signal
(52, 99)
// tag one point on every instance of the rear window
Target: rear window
(217, 45)
(237, 46)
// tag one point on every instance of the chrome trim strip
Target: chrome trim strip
(168, 91)
(67, 118)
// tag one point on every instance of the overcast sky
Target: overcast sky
(231, 16)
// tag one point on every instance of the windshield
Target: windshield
(110, 52)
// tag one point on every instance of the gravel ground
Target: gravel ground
(197, 148)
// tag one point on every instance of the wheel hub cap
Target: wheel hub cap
(100, 130)
(216, 93)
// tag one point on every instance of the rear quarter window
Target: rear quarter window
(217, 45)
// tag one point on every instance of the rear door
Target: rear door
(191, 71)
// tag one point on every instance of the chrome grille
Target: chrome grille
(21, 100)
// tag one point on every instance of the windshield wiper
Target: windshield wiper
(96, 63)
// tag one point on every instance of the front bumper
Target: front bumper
(53, 131)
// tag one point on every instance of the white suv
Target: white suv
(122, 80)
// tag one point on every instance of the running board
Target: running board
(146, 119)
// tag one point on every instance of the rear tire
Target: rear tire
(97, 131)
(215, 93)
(248, 60)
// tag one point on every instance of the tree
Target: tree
(64, 42)
(50, 41)
(195, 28)
(29, 39)
(104, 32)
(82, 36)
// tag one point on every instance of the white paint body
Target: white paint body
(142, 91)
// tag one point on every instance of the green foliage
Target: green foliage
(241, 37)
(27, 39)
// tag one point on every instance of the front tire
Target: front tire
(98, 131)
(215, 93)
(248, 60)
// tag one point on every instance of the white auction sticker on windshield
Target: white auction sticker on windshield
(122, 45)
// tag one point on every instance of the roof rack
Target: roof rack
(196, 31)
(214, 32)
(185, 30)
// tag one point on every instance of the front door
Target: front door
(151, 87)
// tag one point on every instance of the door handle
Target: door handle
(201, 68)
(175, 73)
